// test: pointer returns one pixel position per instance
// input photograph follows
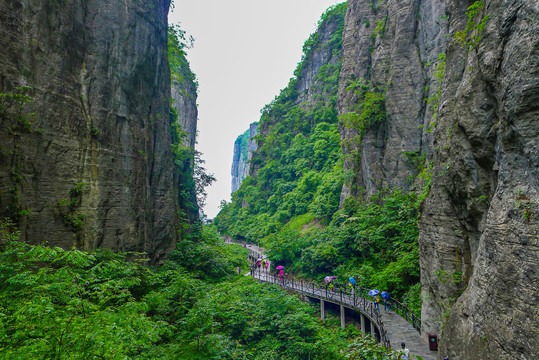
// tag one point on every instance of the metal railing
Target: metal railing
(406, 313)
(337, 294)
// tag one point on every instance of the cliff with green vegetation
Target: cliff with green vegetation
(297, 159)
(183, 128)
(436, 161)
(290, 201)
(85, 134)
(244, 146)
(479, 226)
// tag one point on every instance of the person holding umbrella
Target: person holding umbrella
(281, 272)
(375, 293)
(386, 297)
(352, 284)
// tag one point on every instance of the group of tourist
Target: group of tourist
(263, 264)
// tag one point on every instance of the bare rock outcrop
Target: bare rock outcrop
(479, 232)
(390, 51)
(92, 167)
(244, 146)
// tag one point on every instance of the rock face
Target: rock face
(244, 146)
(472, 112)
(92, 168)
(386, 46)
(479, 232)
(184, 95)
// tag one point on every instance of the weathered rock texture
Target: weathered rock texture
(387, 45)
(479, 231)
(184, 96)
(244, 146)
(95, 168)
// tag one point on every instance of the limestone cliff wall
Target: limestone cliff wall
(479, 232)
(184, 96)
(391, 47)
(244, 146)
(472, 112)
(93, 168)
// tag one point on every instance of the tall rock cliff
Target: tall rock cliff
(244, 146)
(410, 91)
(184, 96)
(383, 90)
(86, 161)
(184, 119)
(479, 233)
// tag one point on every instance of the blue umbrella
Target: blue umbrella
(352, 281)
(373, 292)
(385, 295)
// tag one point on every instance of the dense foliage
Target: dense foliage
(190, 175)
(375, 242)
(290, 204)
(57, 304)
(299, 156)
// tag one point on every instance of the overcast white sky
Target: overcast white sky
(245, 52)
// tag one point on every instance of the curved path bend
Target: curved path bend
(396, 328)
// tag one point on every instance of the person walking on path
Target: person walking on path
(352, 284)
(377, 302)
(404, 352)
(281, 275)
(386, 297)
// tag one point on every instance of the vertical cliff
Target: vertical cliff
(390, 52)
(479, 232)
(244, 146)
(184, 119)
(184, 96)
(454, 83)
(86, 162)
(184, 86)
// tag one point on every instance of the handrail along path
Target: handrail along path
(356, 301)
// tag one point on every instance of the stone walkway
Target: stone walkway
(398, 329)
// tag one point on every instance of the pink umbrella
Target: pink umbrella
(280, 267)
